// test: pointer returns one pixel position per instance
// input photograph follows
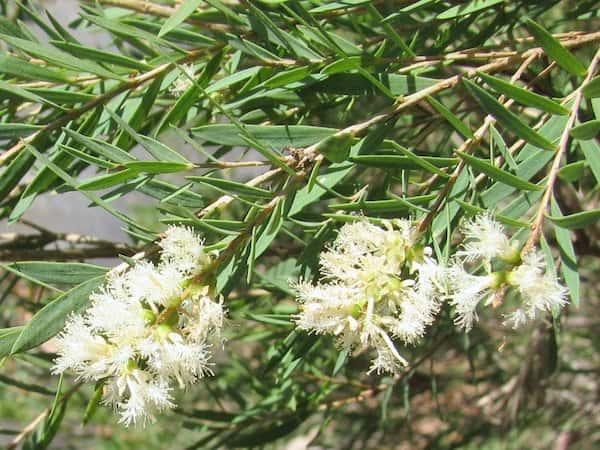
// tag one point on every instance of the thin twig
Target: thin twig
(563, 145)
(467, 146)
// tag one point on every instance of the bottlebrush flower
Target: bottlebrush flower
(539, 290)
(145, 330)
(467, 291)
(533, 287)
(485, 239)
(378, 285)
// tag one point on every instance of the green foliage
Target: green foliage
(265, 125)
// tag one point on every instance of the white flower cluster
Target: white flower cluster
(184, 81)
(486, 242)
(379, 284)
(146, 329)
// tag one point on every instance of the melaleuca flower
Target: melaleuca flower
(485, 239)
(506, 274)
(145, 330)
(379, 284)
(467, 291)
(184, 81)
(539, 290)
(182, 248)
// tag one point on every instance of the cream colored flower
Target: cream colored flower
(379, 285)
(146, 330)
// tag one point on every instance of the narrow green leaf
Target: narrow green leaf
(275, 136)
(423, 163)
(94, 402)
(508, 119)
(8, 336)
(90, 159)
(269, 231)
(573, 171)
(340, 361)
(180, 34)
(592, 89)
(185, 9)
(395, 206)
(568, 257)
(94, 54)
(586, 130)
(59, 58)
(591, 151)
(15, 171)
(16, 130)
(107, 180)
(469, 8)
(49, 320)
(342, 65)
(234, 187)
(61, 96)
(287, 77)
(578, 220)
(402, 162)
(523, 96)
(458, 124)
(156, 148)
(141, 113)
(55, 272)
(157, 166)
(161, 189)
(109, 151)
(183, 104)
(24, 93)
(498, 174)
(23, 69)
(555, 50)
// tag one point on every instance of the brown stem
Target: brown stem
(563, 144)
(467, 146)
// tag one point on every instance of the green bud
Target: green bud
(336, 148)
(148, 316)
(130, 365)
(163, 330)
(499, 278)
(357, 309)
(512, 256)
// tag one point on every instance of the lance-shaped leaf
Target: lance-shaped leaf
(508, 119)
(16, 130)
(403, 162)
(587, 130)
(58, 58)
(458, 124)
(592, 89)
(233, 187)
(184, 10)
(498, 174)
(469, 8)
(275, 136)
(523, 96)
(49, 320)
(555, 50)
(568, 257)
(578, 220)
(44, 273)
(94, 54)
